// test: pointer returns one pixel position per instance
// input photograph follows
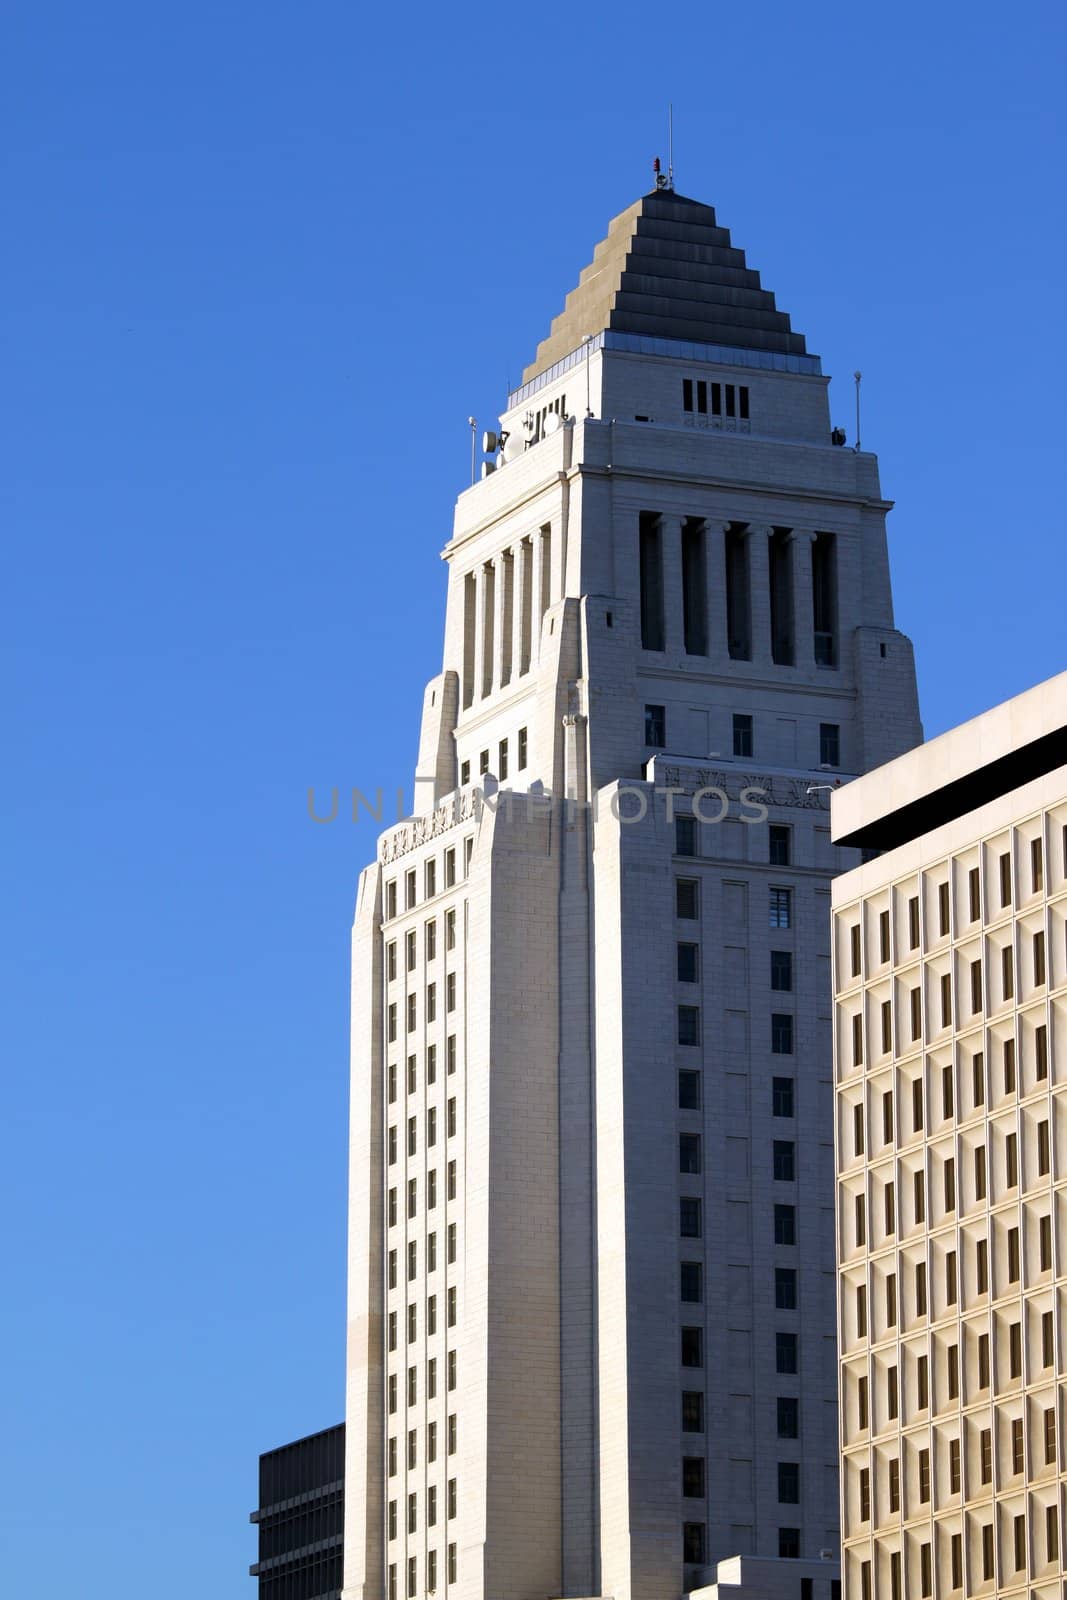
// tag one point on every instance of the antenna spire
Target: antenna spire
(670, 145)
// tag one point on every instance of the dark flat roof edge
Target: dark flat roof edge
(964, 794)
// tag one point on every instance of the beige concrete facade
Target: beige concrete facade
(592, 1276)
(950, 956)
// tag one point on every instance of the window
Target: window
(987, 1550)
(1019, 1542)
(916, 1002)
(450, 1188)
(865, 1494)
(694, 1542)
(924, 1476)
(951, 1277)
(854, 948)
(978, 1078)
(392, 1144)
(782, 1097)
(688, 963)
(857, 1129)
(691, 1412)
(857, 1039)
(916, 1105)
(785, 1352)
(894, 1484)
(784, 1160)
(483, 763)
(1045, 1244)
(985, 1450)
(464, 773)
(1017, 1444)
(392, 1330)
(946, 1000)
(451, 1369)
(688, 1089)
(788, 1417)
(450, 864)
(922, 1374)
(522, 750)
(954, 1466)
(979, 1172)
(502, 759)
(689, 1217)
(450, 1053)
(392, 1393)
(689, 1025)
(982, 1266)
(1050, 1436)
(887, 1026)
(452, 1563)
(779, 845)
(391, 1024)
(431, 1189)
(410, 888)
(1011, 1159)
(1013, 1255)
(785, 1288)
(829, 744)
(861, 1310)
(390, 899)
(693, 1477)
(692, 1282)
(1037, 875)
(450, 1118)
(781, 1034)
(863, 1402)
(1048, 1344)
(953, 1371)
(1009, 1066)
(431, 1441)
(453, 1497)
(919, 1192)
(1052, 1533)
(974, 896)
(781, 908)
(431, 1252)
(1041, 1051)
(656, 726)
(789, 1544)
(412, 1577)
(782, 971)
(413, 1513)
(392, 1082)
(887, 1117)
(942, 909)
(788, 1483)
(861, 1220)
(892, 1392)
(431, 1000)
(920, 1289)
(450, 991)
(742, 734)
(692, 1347)
(926, 1577)
(785, 1225)
(956, 1548)
(685, 836)
(949, 1174)
(1007, 972)
(1039, 959)
(891, 1300)
(450, 1241)
(689, 1152)
(913, 922)
(452, 1434)
(976, 986)
(411, 1013)
(686, 899)
(1015, 1350)
(1005, 879)
(983, 1361)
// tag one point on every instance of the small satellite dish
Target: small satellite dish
(487, 468)
(513, 447)
(490, 442)
(529, 424)
(552, 423)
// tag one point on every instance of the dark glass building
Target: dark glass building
(301, 1519)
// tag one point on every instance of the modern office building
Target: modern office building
(950, 963)
(592, 1285)
(301, 1518)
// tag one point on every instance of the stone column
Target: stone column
(497, 664)
(759, 585)
(670, 534)
(518, 586)
(715, 561)
(481, 588)
(800, 544)
(537, 603)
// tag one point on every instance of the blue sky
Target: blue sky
(262, 262)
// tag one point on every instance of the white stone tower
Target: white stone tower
(591, 1336)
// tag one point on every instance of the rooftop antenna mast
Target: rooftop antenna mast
(670, 146)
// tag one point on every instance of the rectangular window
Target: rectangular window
(781, 1034)
(1050, 1436)
(464, 776)
(987, 1550)
(887, 1117)
(1017, 1444)
(785, 1352)
(863, 1403)
(1007, 972)
(951, 1277)
(887, 1027)
(894, 1483)
(861, 1310)
(689, 1025)
(784, 1160)
(779, 845)
(785, 1288)
(865, 1494)
(522, 751)
(1041, 1051)
(689, 1217)
(453, 1566)
(689, 1152)
(892, 1392)
(450, 1053)
(1011, 1160)
(916, 1105)
(651, 582)
(943, 909)
(953, 1371)
(981, 1266)
(450, 991)
(782, 1097)
(861, 1220)
(785, 1225)
(954, 1466)
(742, 734)
(411, 1010)
(922, 1374)
(450, 1191)
(1039, 959)
(1015, 1350)
(857, 1039)
(883, 935)
(978, 1078)
(788, 1417)
(788, 1483)
(924, 1476)
(410, 888)
(781, 972)
(431, 1189)
(686, 899)
(916, 1003)
(391, 1024)
(450, 868)
(694, 1542)
(891, 1300)
(956, 1549)
(946, 1000)
(1048, 1344)
(781, 908)
(919, 1196)
(390, 900)
(854, 948)
(688, 963)
(431, 1252)
(692, 1282)
(702, 397)
(692, 1347)
(913, 922)
(431, 1002)
(1013, 1255)
(685, 836)
(976, 986)
(857, 1130)
(1037, 873)
(656, 726)
(392, 1082)
(983, 1361)
(1019, 1542)
(1045, 1244)
(889, 1197)
(829, 744)
(1052, 1533)
(688, 1089)
(974, 893)
(920, 1288)
(985, 1451)
(949, 1174)
(693, 1477)
(687, 394)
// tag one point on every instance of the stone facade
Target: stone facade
(950, 954)
(591, 1254)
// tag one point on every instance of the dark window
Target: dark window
(784, 1160)
(742, 401)
(788, 1417)
(685, 836)
(689, 1152)
(779, 845)
(692, 1282)
(782, 1097)
(689, 1218)
(702, 396)
(692, 1411)
(651, 579)
(942, 908)
(522, 749)
(688, 1090)
(789, 1483)
(656, 726)
(785, 1225)
(785, 1288)
(716, 399)
(742, 734)
(782, 971)
(686, 899)
(781, 1034)
(829, 744)
(687, 394)
(693, 1477)
(785, 1352)
(688, 963)
(692, 1347)
(789, 1544)
(689, 1025)
(694, 1542)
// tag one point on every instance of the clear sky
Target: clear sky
(262, 261)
